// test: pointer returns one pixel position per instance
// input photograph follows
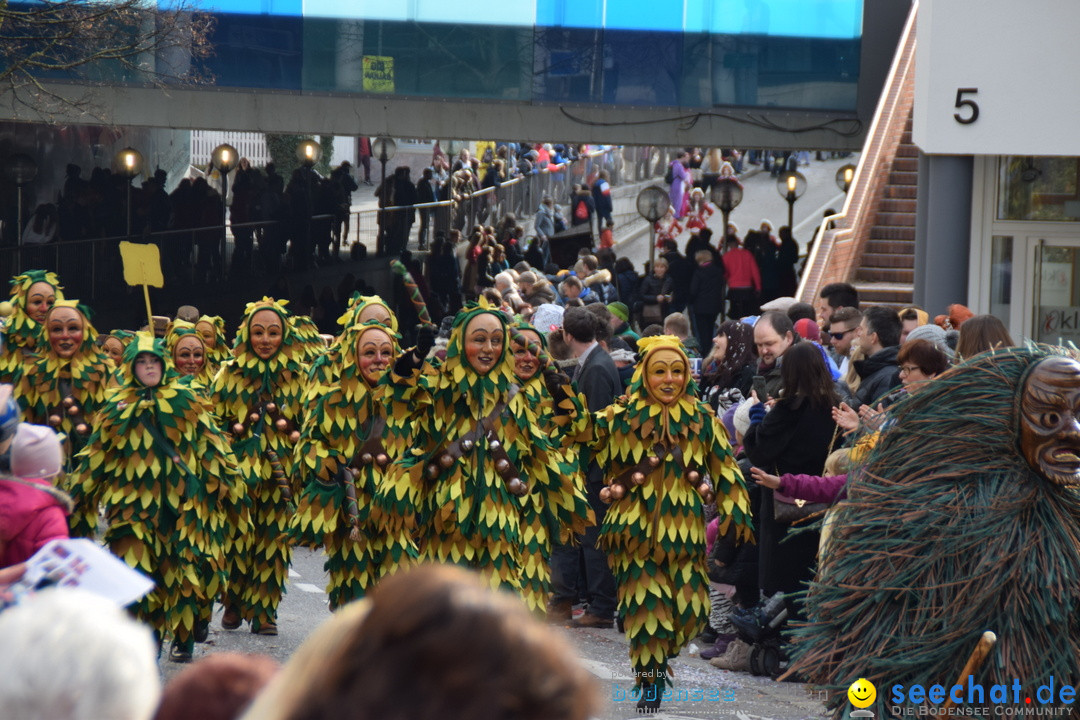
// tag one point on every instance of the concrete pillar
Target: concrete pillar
(943, 231)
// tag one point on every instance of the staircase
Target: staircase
(871, 242)
(886, 273)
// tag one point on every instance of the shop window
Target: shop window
(1039, 188)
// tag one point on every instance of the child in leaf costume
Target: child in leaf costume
(162, 471)
(355, 431)
(32, 294)
(65, 383)
(555, 506)
(257, 395)
(658, 447)
(476, 446)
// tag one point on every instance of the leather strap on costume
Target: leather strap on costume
(69, 406)
(372, 450)
(637, 474)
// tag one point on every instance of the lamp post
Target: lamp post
(308, 153)
(20, 169)
(791, 185)
(844, 176)
(652, 204)
(384, 149)
(726, 194)
(128, 163)
(224, 158)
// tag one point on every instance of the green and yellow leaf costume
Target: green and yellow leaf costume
(222, 351)
(21, 333)
(270, 390)
(331, 457)
(655, 534)
(167, 480)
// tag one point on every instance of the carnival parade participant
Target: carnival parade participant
(32, 294)
(64, 384)
(308, 337)
(355, 432)
(257, 395)
(664, 452)
(555, 507)
(161, 470)
(476, 445)
(187, 352)
(218, 350)
(974, 484)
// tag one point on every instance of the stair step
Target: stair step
(901, 191)
(890, 247)
(887, 261)
(905, 164)
(890, 294)
(895, 219)
(907, 150)
(886, 275)
(892, 232)
(900, 177)
(903, 205)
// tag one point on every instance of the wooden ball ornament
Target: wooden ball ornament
(433, 471)
(694, 477)
(605, 495)
(73, 410)
(517, 487)
(55, 420)
(366, 458)
(382, 460)
(281, 424)
(82, 428)
(446, 460)
(237, 428)
(654, 461)
(638, 478)
(271, 407)
(617, 492)
(502, 465)
(254, 417)
(494, 445)
(69, 401)
(466, 445)
(704, 489)
(7, 309)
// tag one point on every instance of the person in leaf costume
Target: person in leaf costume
(964, 518)
(477, 448)
(355, 431)
(162, 471)
(555, 506)
(257, 395)
(65, 383)
(666, 455)
(32, 294)
(218, 351)
(187, 352)
(308, 337)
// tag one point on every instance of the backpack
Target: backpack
(581, 211)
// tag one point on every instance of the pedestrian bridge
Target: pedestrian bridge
(744, 73)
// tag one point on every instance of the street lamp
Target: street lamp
(844, 176)
(384, 149)
(726, 194)
(791, 185)
(224, 158)
(19, 169)
(127, 164)
(308, 152)
(652, 204)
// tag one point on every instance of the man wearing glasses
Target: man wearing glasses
(843, 329)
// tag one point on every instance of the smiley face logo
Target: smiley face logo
(862, 693)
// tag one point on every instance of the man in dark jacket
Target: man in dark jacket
(774, 333)
(597, 378)
(879, 337)
(681, 271)
(427, 191)
(706, 296)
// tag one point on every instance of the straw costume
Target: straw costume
(65, 383)
(258, 399)
(555, 506)
(355, 432)
(164, 474)
(21, 332)
(965, 518)
(660, 451)
(476, 445)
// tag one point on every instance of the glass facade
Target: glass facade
(1039, 188)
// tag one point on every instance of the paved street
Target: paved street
(603, 652)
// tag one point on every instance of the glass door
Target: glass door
(1056, 290)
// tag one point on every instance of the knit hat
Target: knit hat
(528, 277)
(742, 416)
(932, 334)
(619, 310)
(547, 317)
(36, 452)
(780, 304)
(808, 330)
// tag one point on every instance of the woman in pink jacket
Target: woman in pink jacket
(32, 511)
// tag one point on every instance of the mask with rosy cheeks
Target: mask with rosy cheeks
(189, 355)
(665, 376)
(39, 298)
(265, 330)
(206, 332)
(525, 363)
(1050, 420)
(66, 329)
(374, 352)
(149, 369)
(374, 311)
(114, 349)
(484, 338)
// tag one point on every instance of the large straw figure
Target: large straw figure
(661, 449)
(257, 395)
(965, 518)
(164, 475)
(355, 432)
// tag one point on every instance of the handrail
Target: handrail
(859, 193)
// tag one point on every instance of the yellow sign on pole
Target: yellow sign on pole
(378, 74)
(142, 266)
